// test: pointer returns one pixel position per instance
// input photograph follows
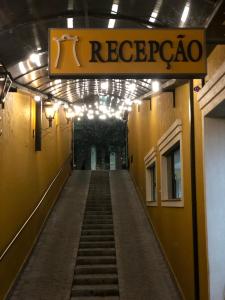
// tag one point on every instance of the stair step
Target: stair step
(97, 212)
(97, 222)
(95, 260)
(95, 290)
(95, 298)
(97, 226)
(84, 245)
(85, 279)
(99, 207)
(96, 232)
(97, 238)
(97, 269)
(97, 252)
(98, 218)
(97, 202)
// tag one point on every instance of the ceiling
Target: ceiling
(24, 30)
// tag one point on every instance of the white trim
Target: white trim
(150, 159)
(172, 136)
(172, 131)
(149, 156)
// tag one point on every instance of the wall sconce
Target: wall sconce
(5, 83)
(70, 114)
(50, 111)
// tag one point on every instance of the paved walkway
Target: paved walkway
(143, 273)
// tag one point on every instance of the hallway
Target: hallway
(70, 233)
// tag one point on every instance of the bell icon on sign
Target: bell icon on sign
(59, 41)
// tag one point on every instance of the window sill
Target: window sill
(172, 202)
(151, 203)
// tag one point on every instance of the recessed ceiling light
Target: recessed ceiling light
(69, 22)
(111, 23)
(114, 8)
(35, 59)
(104, 85)
(22, 67)
(132, 87)
(155, 86)
(185, 12)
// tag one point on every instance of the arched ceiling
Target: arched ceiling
(24, 31)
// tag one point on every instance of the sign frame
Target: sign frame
(83, 75)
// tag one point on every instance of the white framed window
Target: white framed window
(171, 164)
(151, 178)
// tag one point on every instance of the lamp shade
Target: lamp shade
(70, 114)
(50, 111)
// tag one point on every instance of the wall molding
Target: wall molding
(149, 157)
(170, 134)
(213, 92)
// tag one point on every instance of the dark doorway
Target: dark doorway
(100, 145)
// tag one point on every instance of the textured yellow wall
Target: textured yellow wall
(173, 225)
(25, 176)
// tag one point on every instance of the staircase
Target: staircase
(95, 275)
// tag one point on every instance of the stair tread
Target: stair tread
(102, 266)
(95, 286)
(84, 276)
(97, 252)
(98, 225)
(97, 232)
(94, 244)
(94, 298)
(96, 257)
(95, 290)
(97, 236)
(100, 249)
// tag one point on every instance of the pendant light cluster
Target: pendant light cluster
(97, 110)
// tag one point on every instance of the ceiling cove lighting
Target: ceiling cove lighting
(185, 13)
(155, 86)
(111, 23)
(69, 22)
(114, 11)
(22, 67)
(35, 59)
(153, 17)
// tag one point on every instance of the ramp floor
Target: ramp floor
(97, 244)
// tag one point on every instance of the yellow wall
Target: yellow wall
(25, 176)
(173, 226)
